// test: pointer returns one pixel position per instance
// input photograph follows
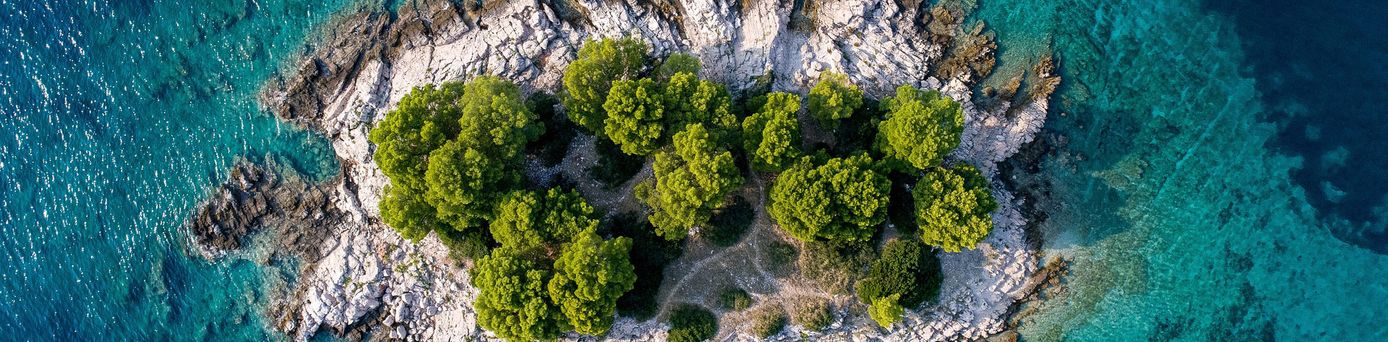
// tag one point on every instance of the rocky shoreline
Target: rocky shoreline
(361, 279)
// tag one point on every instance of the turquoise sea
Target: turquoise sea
(1218, 171)
(116, 118)
(1215, 172)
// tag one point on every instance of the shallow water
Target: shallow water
(116, 117)
(1189, 208)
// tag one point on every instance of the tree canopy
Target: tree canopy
(886, 311)
(496, 120)
(690, 181)
(772, 135)
(921, 127)
(527, 219)
(467, 175)
(954, 207)
(692, 323)
(512, 301)
(676, 63)
(424, 120)
(834, 98)
(408, 212)
(843, 199)
(588, 79)
(690, 100)
(906, 269)
(464, 184)
(635, 115)
(589, 277)
(552, 272)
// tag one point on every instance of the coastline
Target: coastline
(365, 279)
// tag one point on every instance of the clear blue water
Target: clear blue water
(1189, 191)
(116, 118)
(1324, 82)
(1220, 177)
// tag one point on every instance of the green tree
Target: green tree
(886, 311)
(692, 323)
(588, 79)
(772, 135)
(466, 175)
(921, 127)
(676, 63)
(512, 301)
(689, 100)
(408, 213)
(906, 269)
(425, 119)
(834, 98)
(526, 219)
(589, 277)
(734, 299)
(496, 120)
(635, 116)
(844, 199)
(464, 184)
(954, 208)
(690, 181)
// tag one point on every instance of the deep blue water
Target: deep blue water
(116, 118)
(1322, 68)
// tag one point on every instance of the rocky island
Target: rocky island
(361, 278)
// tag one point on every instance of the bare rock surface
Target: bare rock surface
(364, 280)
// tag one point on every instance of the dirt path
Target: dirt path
(705, 269)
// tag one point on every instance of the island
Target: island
(684, 171)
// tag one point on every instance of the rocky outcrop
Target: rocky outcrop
(364, 277)
(259, 196)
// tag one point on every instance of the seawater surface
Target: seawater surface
(116, 118)
(1217, 167)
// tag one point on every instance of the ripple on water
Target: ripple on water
(116, 117)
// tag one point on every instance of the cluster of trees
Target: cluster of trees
(551, 272)
(449, 152)
(687, 122)
(840, 199)
(454, 154)
(682, 120)
(903, 276)
(845, 199)
(609, 94)
(838, 203)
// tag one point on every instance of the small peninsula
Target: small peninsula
(683, 171)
